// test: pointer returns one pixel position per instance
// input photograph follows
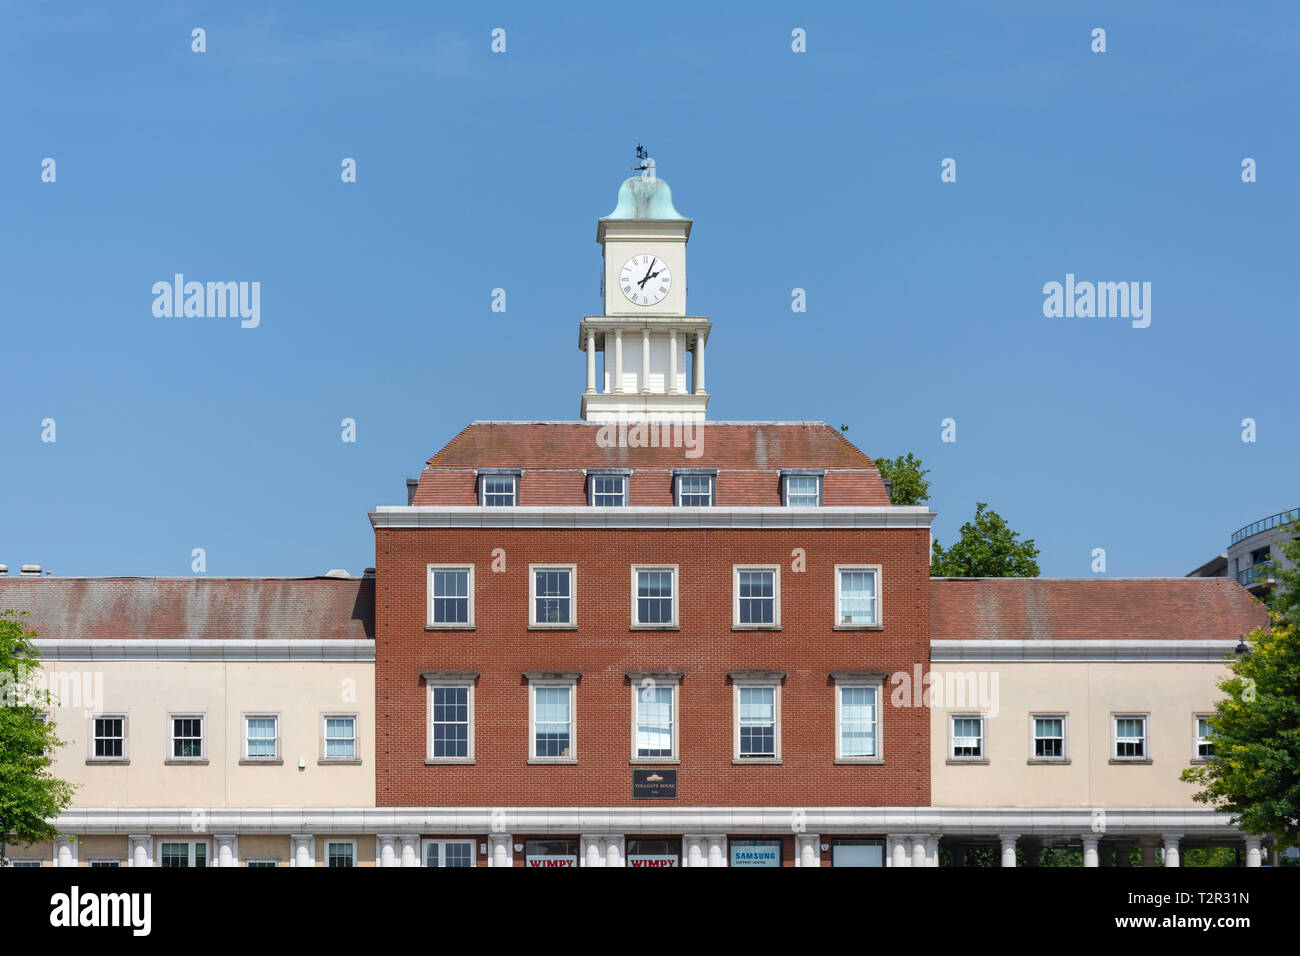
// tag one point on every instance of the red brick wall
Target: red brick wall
(501, 648)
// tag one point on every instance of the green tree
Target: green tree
(907, 479)
(30, 795)
(1255, 771)
(987, 548)
(1284, 599)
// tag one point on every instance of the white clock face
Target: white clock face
(645, 280)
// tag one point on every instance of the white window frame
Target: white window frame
(486, 473)
(673, 682)
(106, 862)
(1064, 718)
(1197, 739)
(260, 715)
(260, 862)
(676, 617)
(572, 623)
(325, 718)
(126, 739)
(623, 476)
(820, 477)
(205, 843)
(775, 570)
(15, 863)
(748, 682)
(983, 756)
(572, 684)
(331, 841)
(1115, 718)
(877, 624)
(432, 682)
(713, 489)
(174, 716)
(877, 683)
(442, 852)
(430, 623)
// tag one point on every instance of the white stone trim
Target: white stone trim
(185, 649)
(575, 516)
(656, 821)
(1073, 651)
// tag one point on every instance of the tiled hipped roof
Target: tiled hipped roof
(195, 608)
(1038, 609)
(747, 455)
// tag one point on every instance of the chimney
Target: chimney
(411, 485)
(29, 571)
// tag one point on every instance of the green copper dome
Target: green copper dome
(644, 199)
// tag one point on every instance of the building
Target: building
(640, 638)
(1066, 709)
(1254, 554)
(208, 721)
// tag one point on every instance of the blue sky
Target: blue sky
(478, 170)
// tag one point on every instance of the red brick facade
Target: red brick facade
(604, 648)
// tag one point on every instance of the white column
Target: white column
(918, 851)
(304, 849)
(65, 851)
(717, 851)
(614, 850)
(618, 359)
(1253, 846)
(1090, 841)
(139, 848)
(645, 360)
(807, 849)
(1171, 848)
(227, 849)
(672, 363)
(500, 850)
(410, 848)
(697, 367)
(1009, 848)
(695, 851)
(591, 361)
(898, 850)
(591, 850)
(932, 850)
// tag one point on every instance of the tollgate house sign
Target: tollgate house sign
(654, 784)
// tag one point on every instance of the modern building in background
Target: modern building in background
(1254, 554)
(639, 638)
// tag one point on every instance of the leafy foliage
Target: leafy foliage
(30, 795)
(1255, 771)
(987, 548)
(907, 479)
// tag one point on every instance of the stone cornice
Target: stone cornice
(582, 516)
(948, 821)
(184, 649)
(1066, 651)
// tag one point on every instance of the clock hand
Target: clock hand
(647, 273)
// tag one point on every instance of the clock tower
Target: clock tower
(645, 334)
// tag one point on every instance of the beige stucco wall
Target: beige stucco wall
(1171, 694)
(147, 692)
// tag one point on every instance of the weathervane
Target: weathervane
(648, 165)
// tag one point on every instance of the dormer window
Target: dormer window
(694, 488)
(801, 488)
(499, 488)
(607, 489)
